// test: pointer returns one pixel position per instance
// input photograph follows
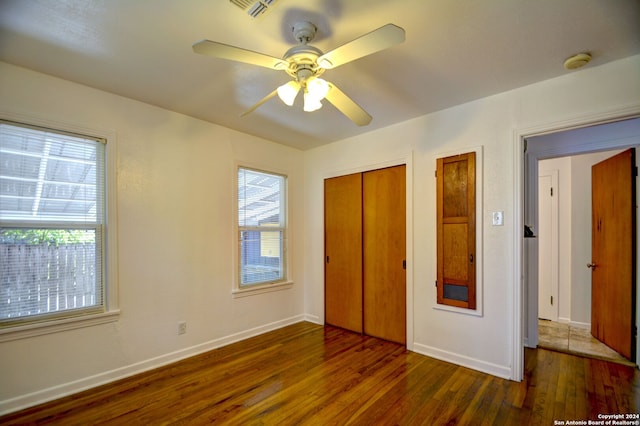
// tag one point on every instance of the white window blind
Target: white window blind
(262, 233)
(52, 204)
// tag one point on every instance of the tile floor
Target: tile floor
(574, 340)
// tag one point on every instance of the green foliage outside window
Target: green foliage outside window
(55, 237)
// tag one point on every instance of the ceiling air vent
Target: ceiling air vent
(254, 8)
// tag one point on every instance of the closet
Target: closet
(365, 246)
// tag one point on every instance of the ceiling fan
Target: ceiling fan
(305, 63)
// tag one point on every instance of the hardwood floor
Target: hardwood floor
(309, 374)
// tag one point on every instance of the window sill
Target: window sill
(55, 326)
(267, 288)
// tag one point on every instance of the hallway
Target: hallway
(574, 340)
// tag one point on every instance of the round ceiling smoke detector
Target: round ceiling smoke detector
(577, 61)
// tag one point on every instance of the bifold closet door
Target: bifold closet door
(384, 253)
(343, 251)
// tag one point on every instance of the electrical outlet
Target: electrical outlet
(182, 327)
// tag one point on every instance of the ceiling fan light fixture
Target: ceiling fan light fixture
(311, 103)
(288, 92)
(317, 88)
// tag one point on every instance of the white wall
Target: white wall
(486, 343)
(175, 190)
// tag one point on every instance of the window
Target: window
(262, 232)
(52, 225)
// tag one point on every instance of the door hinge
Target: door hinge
(552, 300)
(552, 191)
(435, 173)
(436, 283)
(635, 171)
(404, 264)
(327, 259)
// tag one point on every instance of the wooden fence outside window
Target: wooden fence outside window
(40, 279)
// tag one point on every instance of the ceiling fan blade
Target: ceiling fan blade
(232, 53)
(347, 106)
(375, 41)
(263, 100)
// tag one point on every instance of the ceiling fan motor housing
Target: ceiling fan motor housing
(302, 61)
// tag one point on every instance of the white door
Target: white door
(548, 246)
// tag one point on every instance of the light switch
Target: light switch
(498, 218)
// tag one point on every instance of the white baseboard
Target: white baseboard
(313, 318)
(586, 325)
(49, 394)
(475, 364)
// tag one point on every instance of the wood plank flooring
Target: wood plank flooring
(309, 374)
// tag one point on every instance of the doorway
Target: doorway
(597, 138)
(564, 249)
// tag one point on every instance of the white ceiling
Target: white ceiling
(455, 51)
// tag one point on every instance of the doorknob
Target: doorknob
(593, 266)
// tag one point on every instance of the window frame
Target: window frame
(242, 290)
(109, 310)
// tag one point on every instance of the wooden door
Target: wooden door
(456, 230)
(343, 251)
(613, 252)
(384, 241)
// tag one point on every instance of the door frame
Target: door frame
(405, 159)
(525, 297)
